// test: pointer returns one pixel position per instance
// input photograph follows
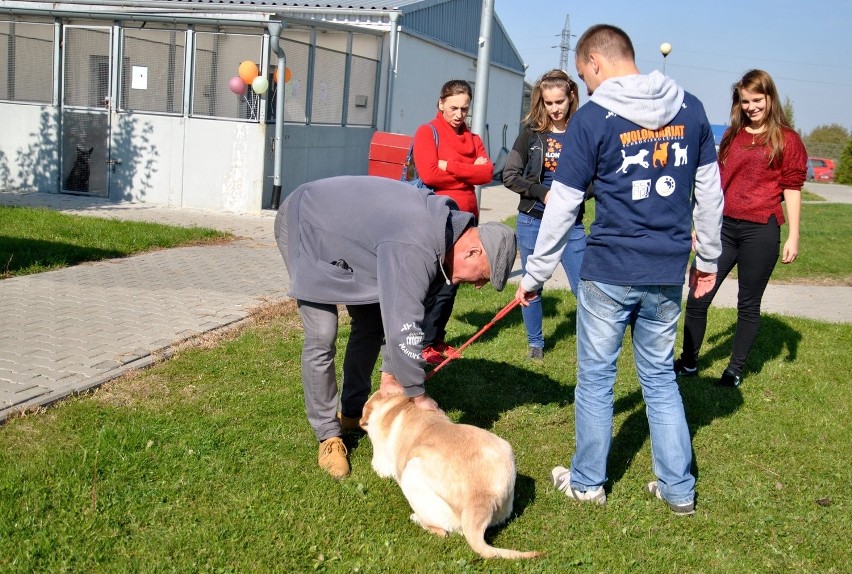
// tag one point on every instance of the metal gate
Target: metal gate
(86, 110)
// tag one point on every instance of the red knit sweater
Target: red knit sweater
(754, 190)
(459, 150)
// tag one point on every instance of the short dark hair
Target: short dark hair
(611, 42)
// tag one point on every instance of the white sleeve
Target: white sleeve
(707, 217)
(563, 206)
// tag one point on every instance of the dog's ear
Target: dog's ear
(365, 414)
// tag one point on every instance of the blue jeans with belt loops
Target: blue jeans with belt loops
(572, 257)
(604, 312)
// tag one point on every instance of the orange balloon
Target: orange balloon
(287, 75)
(248, 71)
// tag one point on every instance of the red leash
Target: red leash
(457, 353)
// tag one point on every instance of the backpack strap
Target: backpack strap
(409, 171)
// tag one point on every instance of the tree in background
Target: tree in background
(827, 141)
(843, 171)
(788, 111)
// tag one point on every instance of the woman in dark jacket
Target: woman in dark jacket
(529, 173)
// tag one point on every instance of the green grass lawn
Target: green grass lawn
(206, 463)
(33, 240)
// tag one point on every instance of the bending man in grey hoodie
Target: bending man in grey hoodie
(647, 146)
(377, 246)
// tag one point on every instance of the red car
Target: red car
(823, 168)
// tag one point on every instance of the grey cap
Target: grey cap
(498, 240)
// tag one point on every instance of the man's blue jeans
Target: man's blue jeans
(572, 258)
(603, 314)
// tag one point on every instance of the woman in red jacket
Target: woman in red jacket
(452, 167)
(763, 163)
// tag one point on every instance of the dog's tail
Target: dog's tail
(474, 520)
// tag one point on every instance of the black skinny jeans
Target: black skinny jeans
(753, 248)
(439, 306)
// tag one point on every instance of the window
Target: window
(217, 59)
(327, 95)
(296, 82)
(362, 89)
(26, 65)
(152, 73)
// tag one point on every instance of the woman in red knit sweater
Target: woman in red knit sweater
(452, 168)
(762, 163)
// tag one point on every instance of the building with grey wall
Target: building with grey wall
(137, 100)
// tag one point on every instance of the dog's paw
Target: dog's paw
(438, 531)
(382, 468)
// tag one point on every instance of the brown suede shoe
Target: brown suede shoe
(349, 424)
(332, 457)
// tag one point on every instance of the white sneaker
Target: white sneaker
(562, 482)
(653, 488)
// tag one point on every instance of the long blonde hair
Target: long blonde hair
(537, 118)
(759, 82)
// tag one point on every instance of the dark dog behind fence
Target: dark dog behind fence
(78, 177)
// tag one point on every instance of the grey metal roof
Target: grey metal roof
(451, 22)
(454, 23)
(392, 5)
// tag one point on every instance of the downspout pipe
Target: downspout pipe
(275, 37)
(392, 63)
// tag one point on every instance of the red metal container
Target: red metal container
(388, 152)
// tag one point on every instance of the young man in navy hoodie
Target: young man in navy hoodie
(647, 146)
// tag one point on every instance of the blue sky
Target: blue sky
(805, 46)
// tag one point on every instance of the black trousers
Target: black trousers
(439, 306)
(753, 248)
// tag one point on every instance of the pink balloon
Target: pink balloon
(237, 85)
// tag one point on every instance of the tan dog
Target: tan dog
(661, 154)
(457, 478)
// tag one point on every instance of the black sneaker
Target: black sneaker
(682, 370)
(729, 379)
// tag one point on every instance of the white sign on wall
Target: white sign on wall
(140, 78)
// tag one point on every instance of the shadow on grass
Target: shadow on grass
(775, 338)
(484, 389)
(703, 401)
(524, 496)
(566, 327)
(17, 255)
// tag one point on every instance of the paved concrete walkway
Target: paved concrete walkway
(73, 329)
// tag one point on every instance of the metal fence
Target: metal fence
(152, 79)
(26, 62)
(323, 85)
(218, 57)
